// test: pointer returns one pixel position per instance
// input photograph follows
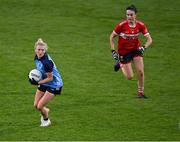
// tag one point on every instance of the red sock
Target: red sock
(140, 91)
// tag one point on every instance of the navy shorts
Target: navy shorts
(55, 91)
(124, 59)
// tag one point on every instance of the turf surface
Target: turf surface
(96, 103)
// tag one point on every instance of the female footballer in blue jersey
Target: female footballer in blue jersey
(51, 83)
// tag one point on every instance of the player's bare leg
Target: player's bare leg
(43, 102)
(139, 65)
(45, 121)
(47, 110)
(127, 70)
(39, 94)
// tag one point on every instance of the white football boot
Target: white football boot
(45, 123)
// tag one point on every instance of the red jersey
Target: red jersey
(128, 36)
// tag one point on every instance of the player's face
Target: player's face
(40, 50)
(131, 16)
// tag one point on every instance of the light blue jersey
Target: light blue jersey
(46, 64)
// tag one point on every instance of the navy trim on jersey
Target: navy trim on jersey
(48, 64)
(45, 64)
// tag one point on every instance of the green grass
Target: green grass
(96, 103)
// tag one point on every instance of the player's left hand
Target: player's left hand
(141, 49)
(33, 82)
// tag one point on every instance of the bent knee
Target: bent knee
(129, 77)
(140, 72)
(39, 107)
(35, 106)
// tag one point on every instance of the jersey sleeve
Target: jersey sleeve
(143, 29)
(117, 29)
(48, 66)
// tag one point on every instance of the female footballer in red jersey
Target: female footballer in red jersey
(130, 49)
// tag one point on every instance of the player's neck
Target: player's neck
(132, 24)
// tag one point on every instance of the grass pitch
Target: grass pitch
(96, 103)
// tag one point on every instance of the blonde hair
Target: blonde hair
(41, 42)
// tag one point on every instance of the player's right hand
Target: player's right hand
(115, 55)
(116, 66)
(33, 82)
